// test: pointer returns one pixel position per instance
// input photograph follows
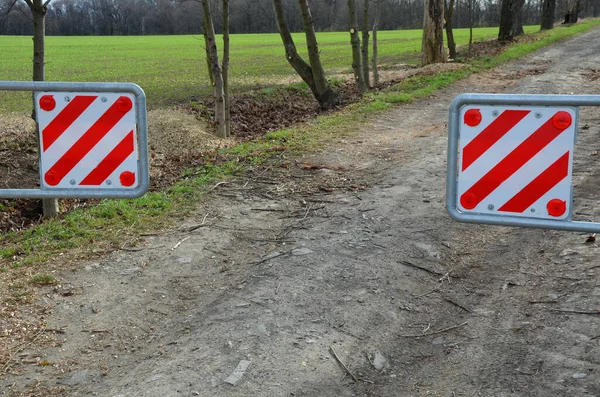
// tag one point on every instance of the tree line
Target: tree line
(163, 17)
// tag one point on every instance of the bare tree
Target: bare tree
(433, 33)
(548, 7)
(448, 12)
(218, 89)
(226, 47)
(365, 44)
(313, 74)
(359, 77)
(470, 26)
(375, 28)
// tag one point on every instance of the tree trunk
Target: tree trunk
(506, 21)
(365, 45)
(517, 29)
(225, 67)
(548, 7)
(470, 26)
(216, 72)
(448, 12)
(359, 77)
(38, 11)
(375, 28)
(433, 32)
(326, 97)
(572, 14)
(208, 68)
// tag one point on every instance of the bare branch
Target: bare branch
(28, 17)
(30, 4)
(11, 6)
(46, 3)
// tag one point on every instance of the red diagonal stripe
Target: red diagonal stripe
(490, 135)
(86, 143)
(110, 163)
(541, 185)
(515, 160)
(65, 118)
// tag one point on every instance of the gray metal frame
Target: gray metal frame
(142, 140)
(453, 142)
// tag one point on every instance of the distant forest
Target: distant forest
(164, 17)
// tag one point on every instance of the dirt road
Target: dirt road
(358, 258)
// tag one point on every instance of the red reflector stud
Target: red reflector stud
(562, 120)
(47, 103)
(468, 201)
(556, 207)
(127, 178)
(124, 104)
(51, 178)
(472, 117)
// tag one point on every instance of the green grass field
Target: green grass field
(172, 69)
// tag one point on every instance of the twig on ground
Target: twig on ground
(407, 263)
(551, 275)
(339, 328)
(591, 313)
(307, 211)
(55, 330)
(269, 257)
(268, 240)
(436, 332)
(539, 302)
(446, 276)
(319, 201)
(354, 378)
(194, 228)
(268, 209)
(277, 289)
(204, 219)
(178, 244)
(429, 292)
(219, 184)
(131, 249)
(457, 304)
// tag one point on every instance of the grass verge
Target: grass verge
(119, 224)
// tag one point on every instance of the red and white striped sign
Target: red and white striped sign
(516, 160)
(87, 140)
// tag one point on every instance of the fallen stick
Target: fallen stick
(407, 263)
(457, 304)
(436, 332)
(592, 313)
(354, 378)
(178, 244)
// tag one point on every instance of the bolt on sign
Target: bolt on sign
(510, 160)
(92, 138)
